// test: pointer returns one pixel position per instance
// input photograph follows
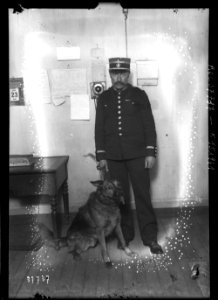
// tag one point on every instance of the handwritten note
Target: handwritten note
(64, 82)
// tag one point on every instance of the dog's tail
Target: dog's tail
(48, 239)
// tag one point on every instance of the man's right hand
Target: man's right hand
(102, 165)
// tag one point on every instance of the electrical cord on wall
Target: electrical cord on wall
(125, 12)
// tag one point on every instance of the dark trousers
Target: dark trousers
(134, 169)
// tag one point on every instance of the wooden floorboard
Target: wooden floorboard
(170, 277)
(16, 258)
(180, 272)
(115, 280)
(78, 281)
(91, 272)
(56, 285)
(102, 278)
(201, 229)
(18, 269)
(129, 277)
(40, 277)
(145, 276)
(67, 275)
(199, 245)
(167, 286)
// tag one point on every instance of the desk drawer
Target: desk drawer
(30, 185)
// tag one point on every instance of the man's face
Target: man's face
(119, 78)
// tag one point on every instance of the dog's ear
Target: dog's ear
(97, 183)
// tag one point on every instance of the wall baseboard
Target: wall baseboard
(45, 208)
(46, 218)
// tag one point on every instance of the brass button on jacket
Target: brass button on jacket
(138, 127)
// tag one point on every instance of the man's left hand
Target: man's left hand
(149, 162)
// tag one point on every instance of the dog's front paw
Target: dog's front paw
(129, 252)
(107, 261)
(108, 264)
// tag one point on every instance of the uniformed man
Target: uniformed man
(125, 139)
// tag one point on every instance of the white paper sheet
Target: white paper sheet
(80, 107)
(68, 53)
(98, 70)
(97, 53)
(147, 69)
(64, 82)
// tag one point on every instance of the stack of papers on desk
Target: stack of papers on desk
(21, 160)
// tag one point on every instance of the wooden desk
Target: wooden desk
(47, 176)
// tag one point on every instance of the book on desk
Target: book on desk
(21, 160)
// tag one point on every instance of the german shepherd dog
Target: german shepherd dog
(96, 220)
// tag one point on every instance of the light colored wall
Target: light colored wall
(179, 41)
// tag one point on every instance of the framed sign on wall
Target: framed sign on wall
(147, 72)
(16, 91)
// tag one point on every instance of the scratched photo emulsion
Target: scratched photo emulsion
(109, 158)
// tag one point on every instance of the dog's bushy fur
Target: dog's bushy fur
(96, 220)
(47, 236)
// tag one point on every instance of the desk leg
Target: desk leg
(54, 216)
(66, 200)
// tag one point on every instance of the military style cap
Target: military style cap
(119, 63)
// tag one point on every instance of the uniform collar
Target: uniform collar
(116, 92)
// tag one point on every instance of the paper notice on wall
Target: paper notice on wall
(80, 107)
(98, 70)
(64, 82)
(147, 69)
(68, 53)
(36, 85)
(97, 53)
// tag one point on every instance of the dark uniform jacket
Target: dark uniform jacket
(124, 125)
